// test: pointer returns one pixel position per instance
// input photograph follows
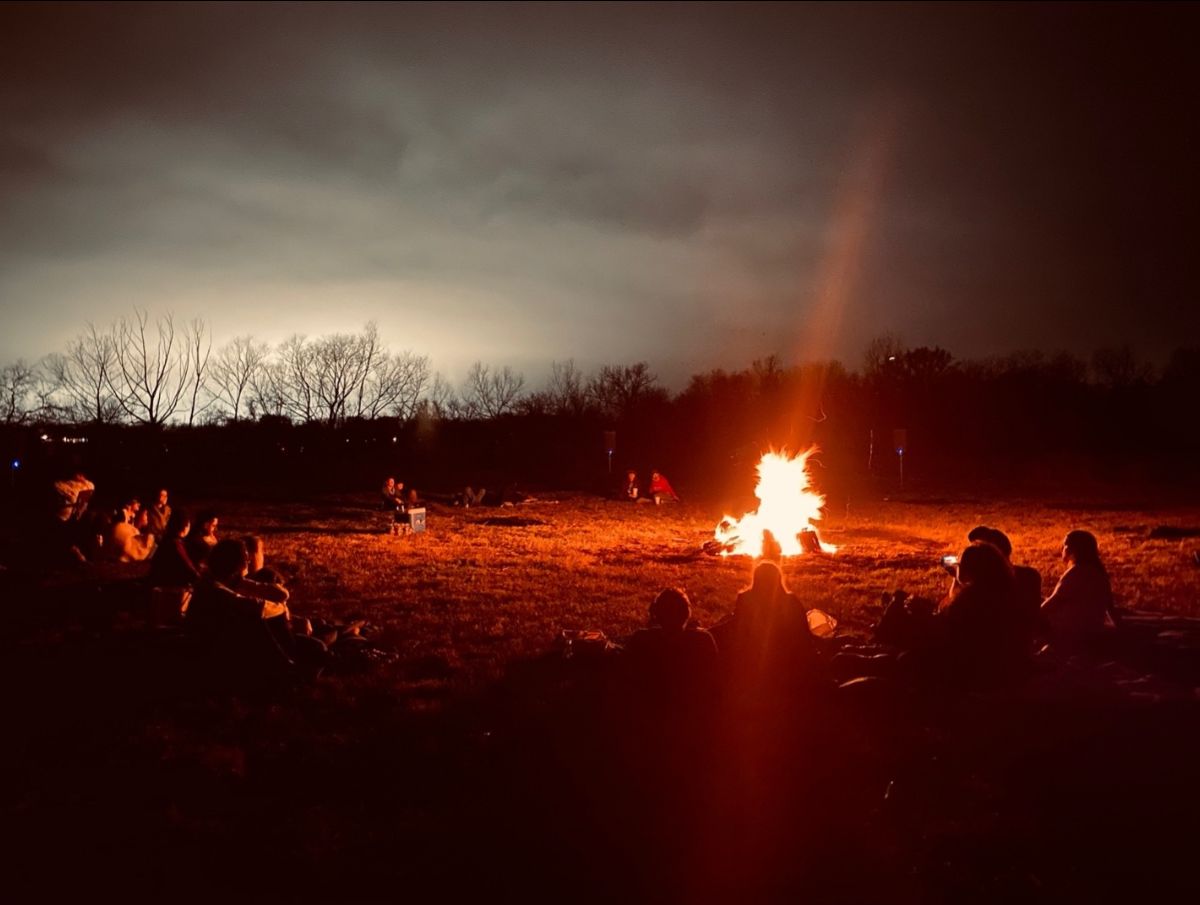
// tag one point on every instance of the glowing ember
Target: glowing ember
(787, 508)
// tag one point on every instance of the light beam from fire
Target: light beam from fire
(788, 506)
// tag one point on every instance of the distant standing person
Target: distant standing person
(1082, 599)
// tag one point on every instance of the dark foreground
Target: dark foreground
(124, 772)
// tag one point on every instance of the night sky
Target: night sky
(696, 186)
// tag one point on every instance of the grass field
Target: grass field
(485, 586)
(462, 763)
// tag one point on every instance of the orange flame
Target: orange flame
(788, 506)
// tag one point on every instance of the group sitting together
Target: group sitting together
(658, 492)
(219, 590)
(984, 631)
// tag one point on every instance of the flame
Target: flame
(787, 507)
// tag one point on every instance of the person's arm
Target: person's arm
(261, 590)
(188, 566)
(1061, 595)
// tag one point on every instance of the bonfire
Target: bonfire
(788, 510)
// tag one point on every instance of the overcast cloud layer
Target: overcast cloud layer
(525, 183)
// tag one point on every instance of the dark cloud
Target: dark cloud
(528, 182)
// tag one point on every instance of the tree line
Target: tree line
(146, 371)
(346, 394)
(157, 371)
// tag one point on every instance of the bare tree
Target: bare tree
(1119, 368)
(199, 347)
(151, 376)
(339, 369)
(83, 376)
(883, 349)
(490, 394)
(266, 391)
(393, 386)
(440, 400)
(567, 391)
(233, 372)
(290, 381)
(19, 396)
(618, 390)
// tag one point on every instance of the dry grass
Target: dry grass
(483, 587)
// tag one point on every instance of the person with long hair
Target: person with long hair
(1082, 600)
(172, 566)
(765, 644)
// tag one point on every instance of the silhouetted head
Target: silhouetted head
(227, 562)
(207, 522)
(179, 524)
(983, 565)
(766, 583)
(671, 609)
(255, 553)
(631, 475)
(1081, 547)
(993, 536)
(163, 496)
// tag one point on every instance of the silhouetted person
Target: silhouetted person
(1082, 600)
(672, 663)
(392, 495)
(629, 490)
(243, 632)
(203, 537)
(973, 636)
(124, 542)
(257, 569)
(765, 644)
(1027, 581)
(158, 514)
(172, 566)
(661, 490)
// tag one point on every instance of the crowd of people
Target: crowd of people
(219, 590)
(984, 632)
(985, 629)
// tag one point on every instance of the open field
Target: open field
(469, 763)
(485, 586)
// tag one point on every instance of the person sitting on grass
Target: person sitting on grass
(765, 645)
(124, 543)
(392, 495)
(172, 566)
(258, 569)
(630, 489)
(158, 515)
(249, 633)
(974, 635)
(1082, 600)
(1027, 581)
(203, 537)
(661, 490)
(673, 661)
